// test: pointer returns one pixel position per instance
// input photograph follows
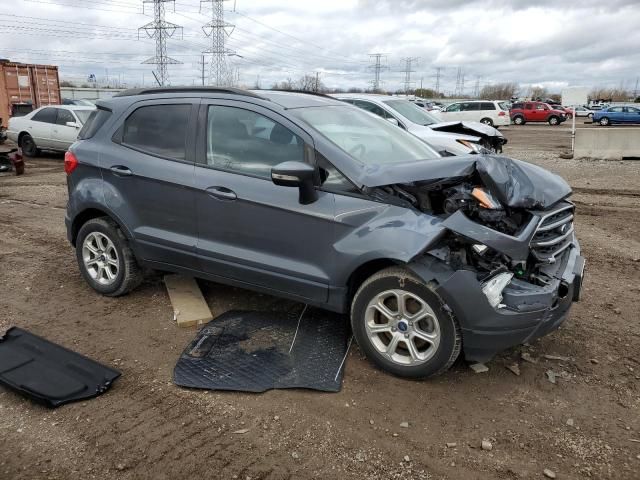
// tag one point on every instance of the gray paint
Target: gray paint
(262, 238)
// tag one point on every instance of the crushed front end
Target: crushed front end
(509, 264)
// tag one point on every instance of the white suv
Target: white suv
(489, 112)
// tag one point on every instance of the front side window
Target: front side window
(159, 130)
(64, 116)
(46, 115)
(249, 143)
(366, 138)
(616, 109)
(454, 107)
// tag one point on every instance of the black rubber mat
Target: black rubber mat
(256, 351)
(49, 373)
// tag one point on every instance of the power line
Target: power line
(160, 30)
(438, 69)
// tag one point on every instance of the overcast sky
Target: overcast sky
(553, 43)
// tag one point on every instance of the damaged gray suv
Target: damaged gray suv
(309, 198)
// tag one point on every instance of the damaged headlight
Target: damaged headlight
(493, 288)
(474, 147)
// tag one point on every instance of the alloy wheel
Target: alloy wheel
(100, 258)
(402, 327)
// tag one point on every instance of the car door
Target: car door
(633, 115)
(540, 112)
(452, 112)
(39, 126)
(252, 231)
(469, 111)
(62, 135)
(615, 114)
(148, 179)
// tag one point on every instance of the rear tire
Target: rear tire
(403, 326)
(519, 120)
(553, 120)
(604, 121)
(487, 121)
(28, 146)
(105, 258)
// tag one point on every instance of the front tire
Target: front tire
(403, 326)
(28, 146)
(105, 258)
(604, 121)
(553, 121)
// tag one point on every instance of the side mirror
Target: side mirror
(393, 121)
(296, 174)
(73, 124)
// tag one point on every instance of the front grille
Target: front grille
(554, 233)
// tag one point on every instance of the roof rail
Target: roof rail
(195, 89)
(297, 90)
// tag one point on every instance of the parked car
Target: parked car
(491, 113)
(48, 128)
(617, 114)
(568, 111)
(523, 112)
(309, 198)
(582, 111)
(455, 138)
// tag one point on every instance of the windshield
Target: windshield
(83, 115)
(411, 112)
(365, 136)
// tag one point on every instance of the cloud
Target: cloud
(550, 42)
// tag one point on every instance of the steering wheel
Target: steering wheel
(358, 148)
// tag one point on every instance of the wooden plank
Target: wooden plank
(189, 306)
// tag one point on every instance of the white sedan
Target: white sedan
(54, 127)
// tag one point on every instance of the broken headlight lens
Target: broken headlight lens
(474, 147)
(493, 288)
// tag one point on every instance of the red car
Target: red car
(523, 112)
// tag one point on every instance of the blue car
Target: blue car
(617, 114)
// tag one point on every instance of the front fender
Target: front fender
(381, 231)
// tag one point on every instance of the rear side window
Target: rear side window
(159, 130)
(487, 106)
(46, 115)
(96, 119)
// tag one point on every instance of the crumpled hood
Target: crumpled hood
(469, 127)
(515, 183)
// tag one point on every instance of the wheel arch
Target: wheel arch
(364, 271)
(90, 213)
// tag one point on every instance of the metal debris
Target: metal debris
(551, 375)
(479, 367)
(515, 368)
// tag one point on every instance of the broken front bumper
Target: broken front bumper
(529, 311)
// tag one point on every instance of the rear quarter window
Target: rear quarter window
(96, 119)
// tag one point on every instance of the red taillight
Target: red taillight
(502, 113)
(70, 162)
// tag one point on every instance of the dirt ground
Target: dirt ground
(587, 425)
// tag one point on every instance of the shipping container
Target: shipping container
(25, 87)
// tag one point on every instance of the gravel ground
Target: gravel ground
(586, 425)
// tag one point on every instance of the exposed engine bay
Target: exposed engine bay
(486, 216)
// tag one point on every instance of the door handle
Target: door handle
(221, 193)
(121, 171)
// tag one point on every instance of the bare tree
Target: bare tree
(499, 91)
(538, 93)
(610, 94)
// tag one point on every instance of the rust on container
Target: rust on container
(25, 87)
